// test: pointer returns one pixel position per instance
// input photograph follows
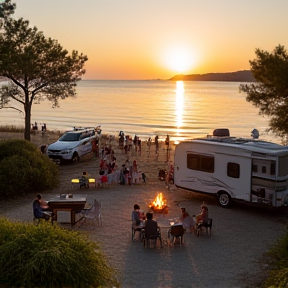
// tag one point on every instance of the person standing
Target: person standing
(134, 172)
(95, 148)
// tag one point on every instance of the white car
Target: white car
(72, 145)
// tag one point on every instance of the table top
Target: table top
(74, 198)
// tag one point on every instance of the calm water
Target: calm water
(146, 108)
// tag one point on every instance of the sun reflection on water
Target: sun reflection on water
(179, 105)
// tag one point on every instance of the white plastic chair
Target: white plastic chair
(94, 213)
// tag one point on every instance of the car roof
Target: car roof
(80, 129)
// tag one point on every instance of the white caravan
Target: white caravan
(233, 169)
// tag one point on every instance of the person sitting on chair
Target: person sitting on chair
(40, 208)
(151, 229)
(137, 217)
(150, 221)
(84, 180)
(203, 216)
(184, 214)
(187, 221)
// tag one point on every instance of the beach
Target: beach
(228, 258)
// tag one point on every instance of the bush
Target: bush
(277, 260)
(48, 256)
(24, 169)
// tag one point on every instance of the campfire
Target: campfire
(159, 204)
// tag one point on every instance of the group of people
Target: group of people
(131, 175)
(35, 126)
(141, 221)
(192, 223)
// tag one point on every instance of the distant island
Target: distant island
(239, 76)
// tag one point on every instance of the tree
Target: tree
(38, 68)
(6, 8)
(270, 91)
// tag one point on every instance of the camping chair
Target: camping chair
(207, 225)
(151, 231)
(177, 233)
(94, 213)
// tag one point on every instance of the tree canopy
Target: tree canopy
(270, 91)
(38, 68)
(6, 8)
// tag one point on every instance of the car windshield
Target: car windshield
(70, 137)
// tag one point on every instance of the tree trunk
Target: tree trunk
(27, 108)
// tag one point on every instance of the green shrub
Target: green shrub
(277, 260)
(24, 169)
(48, 256)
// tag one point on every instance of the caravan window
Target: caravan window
(254, 168)
(200, 162)
(283, 166)
(233, 170)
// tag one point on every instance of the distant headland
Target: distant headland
(239, 76)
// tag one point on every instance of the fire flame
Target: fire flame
(159, 202)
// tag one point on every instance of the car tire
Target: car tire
(224, 199)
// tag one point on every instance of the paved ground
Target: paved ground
(226, 259)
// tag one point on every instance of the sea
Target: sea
(182, 110)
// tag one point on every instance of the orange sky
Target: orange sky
(156, 39)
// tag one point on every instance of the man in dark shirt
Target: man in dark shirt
(40, 208)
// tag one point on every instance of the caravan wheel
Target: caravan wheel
(224, 199)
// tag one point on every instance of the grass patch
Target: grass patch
(276, 261)
(51, 257)
(11, 128)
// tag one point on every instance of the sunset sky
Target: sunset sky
(156, 39)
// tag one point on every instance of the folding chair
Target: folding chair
(94, 213)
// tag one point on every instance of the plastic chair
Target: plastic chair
(207, 225)
(177, 233)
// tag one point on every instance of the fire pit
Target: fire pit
(159, 204)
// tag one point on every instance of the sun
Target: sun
(179, 58)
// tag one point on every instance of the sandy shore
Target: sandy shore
(229, 258)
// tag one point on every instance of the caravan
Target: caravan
(233, 169)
